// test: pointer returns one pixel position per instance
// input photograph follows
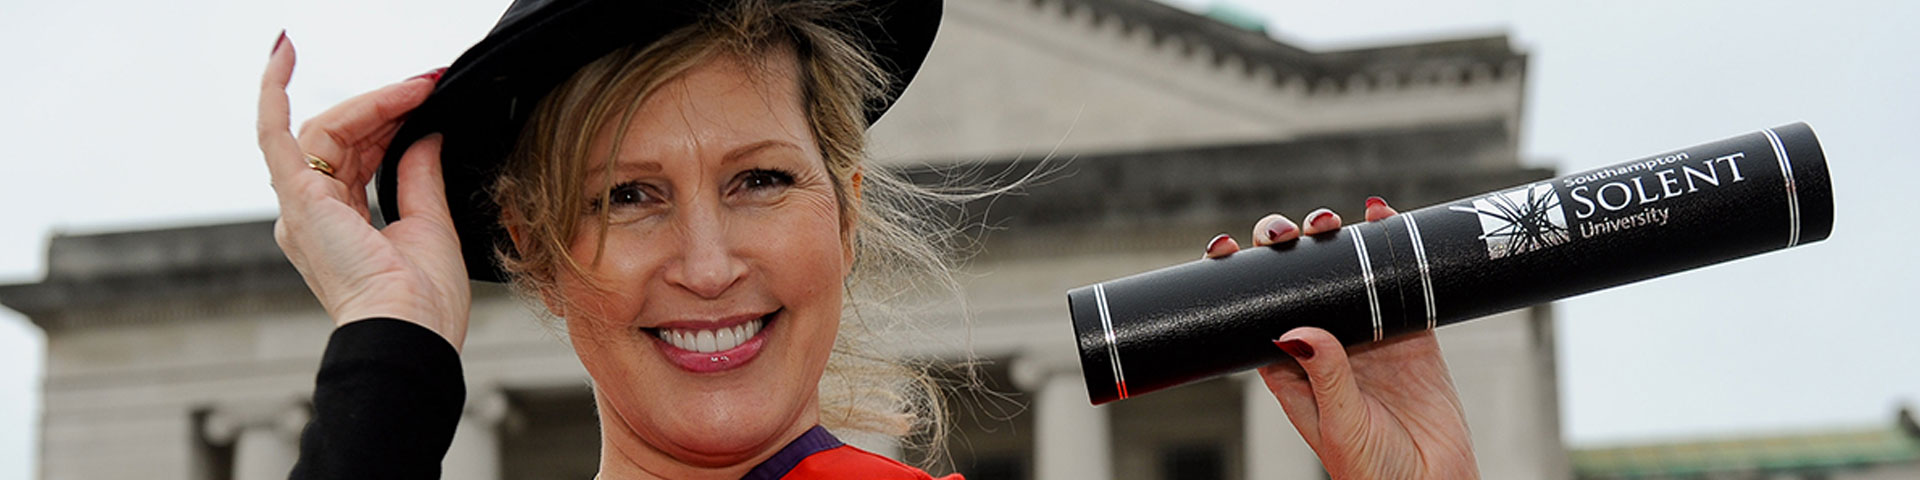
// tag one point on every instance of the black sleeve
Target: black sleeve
(385, 405)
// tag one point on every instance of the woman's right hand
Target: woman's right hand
(1383, 410)
(412, 270)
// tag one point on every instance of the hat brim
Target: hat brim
(486, 96)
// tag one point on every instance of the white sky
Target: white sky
(122, 115)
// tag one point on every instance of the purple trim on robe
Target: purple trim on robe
(816, 440)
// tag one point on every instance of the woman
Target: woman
(682, 184)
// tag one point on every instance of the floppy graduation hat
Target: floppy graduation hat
(487, 95)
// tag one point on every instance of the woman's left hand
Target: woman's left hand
(412, 269)
(1383, 410)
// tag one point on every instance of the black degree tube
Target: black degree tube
(1456, 261)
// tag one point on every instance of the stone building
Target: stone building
(189, 353)
(1884, 452)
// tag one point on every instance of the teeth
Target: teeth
(710, 341)
(704, 342)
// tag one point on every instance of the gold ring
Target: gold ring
(319, 165)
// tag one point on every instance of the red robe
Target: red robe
(817, 455)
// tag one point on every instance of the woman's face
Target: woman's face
(722, 271)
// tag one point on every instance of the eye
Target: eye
(629, 193)
(626, 196)
(762, 180)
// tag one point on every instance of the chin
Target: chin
(719, 435)
(711, 401)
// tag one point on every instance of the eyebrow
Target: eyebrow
(629, 165)
(756, 147)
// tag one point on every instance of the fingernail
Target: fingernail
(1322, 219)
(1298, 349)
(1279, 228)
(278, 42)
(1218, 242)
(431, 75)
(1375, 202)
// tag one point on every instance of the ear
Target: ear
(859, 175)
(517, 232)
(848, 228)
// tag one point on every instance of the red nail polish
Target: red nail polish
(1216, 243)
(278, 42)
(1374, 202)
(1318, 217)
(1298, 349)
(431, 75)
(1275, 231)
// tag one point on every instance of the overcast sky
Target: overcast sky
(125, 115)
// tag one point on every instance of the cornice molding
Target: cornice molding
(1242, 56)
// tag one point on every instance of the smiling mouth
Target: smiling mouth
(714, 339)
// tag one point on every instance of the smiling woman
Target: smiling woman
(692, 208)
(681, 184)
(677, 207)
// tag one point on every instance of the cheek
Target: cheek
(811, 247)
(805, 267)
(615, 274)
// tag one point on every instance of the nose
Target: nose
(708, 265)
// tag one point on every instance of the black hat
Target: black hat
(486, 96)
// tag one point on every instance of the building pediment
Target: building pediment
(1029, 77)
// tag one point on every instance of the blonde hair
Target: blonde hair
(899, 248)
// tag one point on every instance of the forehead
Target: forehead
(720, 103)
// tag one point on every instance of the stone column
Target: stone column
(475, 453)
(1070, 435)
(1274, 448)
(262, 454)
(265, 437)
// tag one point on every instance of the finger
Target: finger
(371, 112)
(422, 190)
(1378, 210)
(1221, 246)
(275, 138)
(353, 135)
(1322, 221)
(1274, 228)
(1289, 385)
(1342, 411)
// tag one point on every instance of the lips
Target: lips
(717, 346)
(710, 340)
